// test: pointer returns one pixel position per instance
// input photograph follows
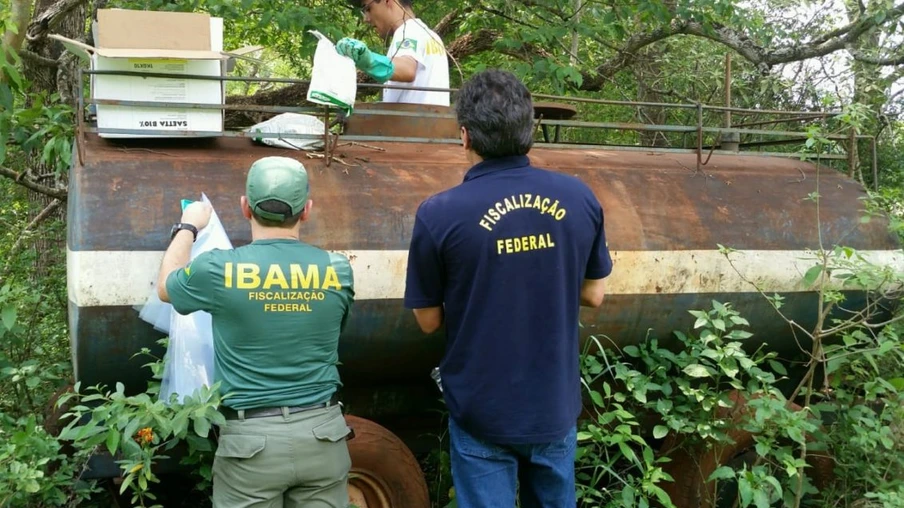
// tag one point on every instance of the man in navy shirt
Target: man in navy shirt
(505, 260)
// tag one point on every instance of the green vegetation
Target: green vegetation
(765, 429)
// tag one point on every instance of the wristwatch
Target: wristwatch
(183, 225)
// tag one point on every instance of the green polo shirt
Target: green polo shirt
(278, 307)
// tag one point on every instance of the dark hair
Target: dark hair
(356, 4)
(274, 206)
(498, 112)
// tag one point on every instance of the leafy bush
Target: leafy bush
(34, 471)
(138, 430)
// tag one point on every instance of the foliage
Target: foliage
(686, 389)
(33, 121)
(138, 430)
(34, 470)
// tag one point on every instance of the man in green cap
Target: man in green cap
(278, 306)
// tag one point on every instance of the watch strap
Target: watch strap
(179, 226)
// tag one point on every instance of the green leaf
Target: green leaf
(6, 98)
(597, 398)
(746, 491)
(778, 367)
(796, 434)
(812, 274)
(738, 320)
(761, 499)
(660, 431)
(113, 437)
(201, 426)
(723, 473)
(719, 324)
(125, 483)
(696, 370)
(8, 316)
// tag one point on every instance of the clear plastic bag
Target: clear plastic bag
(292, 123)
(189, 363)
(334, 80)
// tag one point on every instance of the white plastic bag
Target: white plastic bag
(291, 123)
(334, 80)
(189, 364)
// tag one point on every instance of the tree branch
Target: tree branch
(60, 194)
(20, 242)
(874, 60)
(38, 59)
(763, 58)
(450, 22)
(490, 10)
(43, 23)
(20, 13)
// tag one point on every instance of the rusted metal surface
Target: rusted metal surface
(652, 201)
(126, 195)
(554, 110)
(364, 122)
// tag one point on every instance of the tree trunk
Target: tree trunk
(20, 14)
(868, 89)
(61, 79)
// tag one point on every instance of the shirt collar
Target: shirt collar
(497, 164)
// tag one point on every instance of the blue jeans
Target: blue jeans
(486, 475)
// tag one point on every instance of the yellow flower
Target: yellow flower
(144, 436)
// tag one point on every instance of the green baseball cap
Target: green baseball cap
(280, 179)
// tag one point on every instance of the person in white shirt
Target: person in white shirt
(416, 56)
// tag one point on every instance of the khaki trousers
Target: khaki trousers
(289, 460)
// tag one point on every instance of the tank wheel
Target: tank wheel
(384, 473)
(691, 466)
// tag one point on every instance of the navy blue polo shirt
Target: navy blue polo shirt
(505, 253)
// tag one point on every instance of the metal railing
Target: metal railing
(698, 128)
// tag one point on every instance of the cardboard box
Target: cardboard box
(156, 42)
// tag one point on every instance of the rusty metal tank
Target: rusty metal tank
(664, 222)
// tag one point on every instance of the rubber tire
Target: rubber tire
(691, 466)
(382, 454)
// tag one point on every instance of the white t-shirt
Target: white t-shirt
(414, 39)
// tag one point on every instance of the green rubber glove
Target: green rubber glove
(375, 65)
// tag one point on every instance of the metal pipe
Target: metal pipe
(80, 120)
(768, 111)
(699, 136)
(773, 133)
(769, 122)
(450, 141)
(245, 79)
(452, 90)
(613, 102)
(364, 112)
(620, 125)
(875, 163)
(244, 134)
(727, 89)
(314, 111)
(207, 134)
(852, 153)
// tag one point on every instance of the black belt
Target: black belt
(233, 414)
